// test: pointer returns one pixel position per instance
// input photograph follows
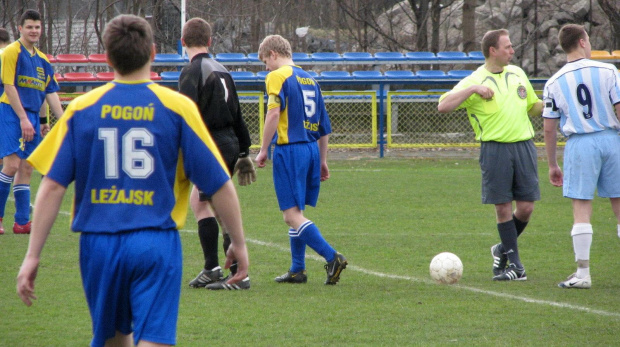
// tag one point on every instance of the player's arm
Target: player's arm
(16, 105)
(452, 100)
(536, 109)
(323, 142)
(271, 125)
(617, 106)
(54, 101)
(50, 195)
(226, 205)
(550, 127)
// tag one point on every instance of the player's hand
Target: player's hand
(25, 280)
(45, 128)
(484, 92)
(27, 130)
(261, 158)
(555, 176)
(240, 255)
(245, 171)
(324, 172)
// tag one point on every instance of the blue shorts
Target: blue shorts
(297, 174)
(132, 283)
(592, 161)
(11, 139)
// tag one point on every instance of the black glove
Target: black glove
(245, 171)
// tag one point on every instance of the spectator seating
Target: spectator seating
(71, 58)
(79, 77)
(371, 74)
(390, 56)
(231, 58)
(51, 58)
(335, 75)
(243, 75)
(253, 57)
(97, 58)
(314, 74)
(353, 57)
(475, 55)
(301, 57)
(452, 55)
(596, 54)
(326, 56)
(418, 56)
(400, 74)
(431, 74)
(168, 58)
(170, 75)
(105, 76)
(459, 73)
(262, 74)
(155, 76)
(59, 77)
(616, 54)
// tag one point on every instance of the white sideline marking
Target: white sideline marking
(426, 281)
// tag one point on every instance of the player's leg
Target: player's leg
(615, 206)
(208, 233)
(7, 175)
(21, 191)
(120, 340)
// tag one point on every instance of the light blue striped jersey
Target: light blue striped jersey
(582, 94)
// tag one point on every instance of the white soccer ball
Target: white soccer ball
(446, 268)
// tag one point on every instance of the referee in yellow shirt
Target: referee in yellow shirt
(498, 98)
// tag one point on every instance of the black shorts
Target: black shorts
(229, 149)
(509, 172)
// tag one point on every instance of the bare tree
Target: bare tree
(611, 8)
(469, 26)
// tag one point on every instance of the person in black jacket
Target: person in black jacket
(211, 86)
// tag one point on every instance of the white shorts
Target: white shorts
(591, 162)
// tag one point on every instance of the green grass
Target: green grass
(389, 218)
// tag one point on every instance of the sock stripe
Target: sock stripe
(303, 227)
(21, 187)
(6, 179)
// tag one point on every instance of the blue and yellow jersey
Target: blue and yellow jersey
(131, 149)
(303, 117)
(31, 74)
(503, 118)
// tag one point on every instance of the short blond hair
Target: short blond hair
(277, 44)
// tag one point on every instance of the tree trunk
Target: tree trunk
(420, 10)
(469, 26)
(611, 8)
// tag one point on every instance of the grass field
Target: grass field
(389, 218)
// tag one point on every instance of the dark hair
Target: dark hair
(128, 41)
(569, 36)
(196, 33)
(490, 39)
(4, 35)
(29, 14)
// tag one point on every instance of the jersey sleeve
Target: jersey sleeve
(9, 63)
(463, 84)
(54, 157)
(550, 109)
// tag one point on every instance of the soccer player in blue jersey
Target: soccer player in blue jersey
(28, 80)
(297, 117)
(4, 41)
(584, 96)
(211, 87)
(131, 148)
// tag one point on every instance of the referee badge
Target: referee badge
(522, 92)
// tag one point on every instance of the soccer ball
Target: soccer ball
(446, 268)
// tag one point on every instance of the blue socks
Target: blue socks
(310, 235)
(22, 203)
(5, 189)
(298, 251)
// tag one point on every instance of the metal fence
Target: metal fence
(411, 120)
